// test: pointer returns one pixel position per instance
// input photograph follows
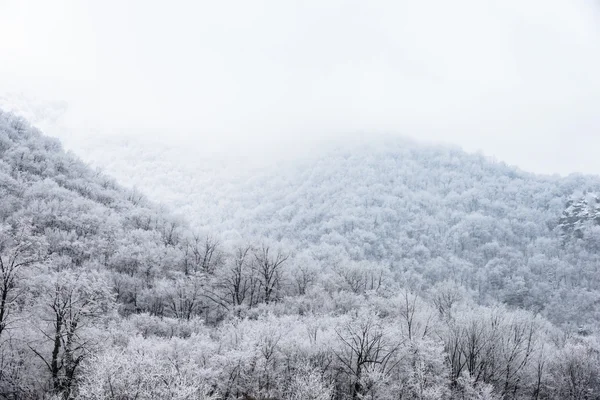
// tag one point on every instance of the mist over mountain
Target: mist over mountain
(429, 212)
(379, 267)
(300, 200)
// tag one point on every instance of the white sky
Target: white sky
(517, 79)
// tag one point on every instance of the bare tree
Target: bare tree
(364, 346)
(239, 280)
(359, 277)
(16, 253)
(136, 197)
(184, 297)
(202, 254)
(304, 276)
(170, 232)
(445, 295)
(517, 344)
(467, 345)
(268, 269)
(407, 312)
(73, 301)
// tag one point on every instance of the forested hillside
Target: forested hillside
(395, 272)
(432, 214)
(429, 213)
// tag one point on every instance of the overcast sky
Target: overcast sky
(517, 79)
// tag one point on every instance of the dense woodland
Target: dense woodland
(384, 271)
(427, 213)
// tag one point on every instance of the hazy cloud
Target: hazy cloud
(515, 78)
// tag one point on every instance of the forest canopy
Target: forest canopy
(384, 271)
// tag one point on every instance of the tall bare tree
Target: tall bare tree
(17, 251)
(239, 280)
(268, 267)
(202, 254)
(68, 303)
(364, 346)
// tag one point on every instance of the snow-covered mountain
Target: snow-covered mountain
(429, 212)
(434, 255)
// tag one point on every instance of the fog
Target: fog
(516, 79)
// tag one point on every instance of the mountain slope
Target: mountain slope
(57, 192)
(433, 214)
(74, 247)
(104, 295)
(430, 212)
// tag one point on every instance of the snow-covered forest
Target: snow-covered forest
(379, 270)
